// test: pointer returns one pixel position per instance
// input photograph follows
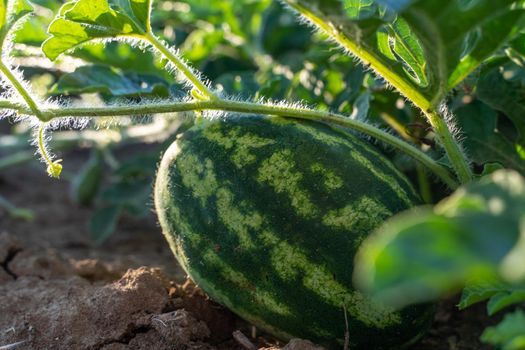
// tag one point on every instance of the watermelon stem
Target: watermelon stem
(54, 168)
(250, 108)
(18, 84)
(201, 90)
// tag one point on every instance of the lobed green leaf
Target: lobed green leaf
(424, 50)
(80, 21)
(479, 291)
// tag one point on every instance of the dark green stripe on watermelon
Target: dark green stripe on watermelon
(266, 215)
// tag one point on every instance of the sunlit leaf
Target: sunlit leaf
(33, 30)
(359, 9)
(80, 21)
(406, 49)
(477, 233)
(11, 11)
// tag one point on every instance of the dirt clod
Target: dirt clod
(95, 270)
(42, 263)
(55, 313)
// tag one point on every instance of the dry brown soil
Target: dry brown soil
(59, 291)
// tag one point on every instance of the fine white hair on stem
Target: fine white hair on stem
(11, 93)
(172, 68)
(42, 149)
(455, 130)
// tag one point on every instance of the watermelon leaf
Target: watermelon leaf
(80, 21)
(499, 295)
(484, 142)
(423, 254)
(480, 291)
(86, 183)
(10, 13)
(508, 334)
(422, 48)
(504, 299)
(105, 80)
(506, 96)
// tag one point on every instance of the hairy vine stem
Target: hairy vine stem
(451, 146)
(188, 73)
(26, 95)
(249, 107)
(54, 168)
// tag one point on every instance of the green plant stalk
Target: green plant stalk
(453, 149)
(21, 90)
(442, 131)
(424, 186)
(252, 108)
(54, 168)
(41, 145)
(181, 66)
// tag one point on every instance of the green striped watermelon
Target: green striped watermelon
(266, 214)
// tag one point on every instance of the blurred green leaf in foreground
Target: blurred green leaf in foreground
(478, 233)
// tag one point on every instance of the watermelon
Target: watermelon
(265, 214)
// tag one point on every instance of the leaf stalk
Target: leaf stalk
(250, 108)
(179, 63)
